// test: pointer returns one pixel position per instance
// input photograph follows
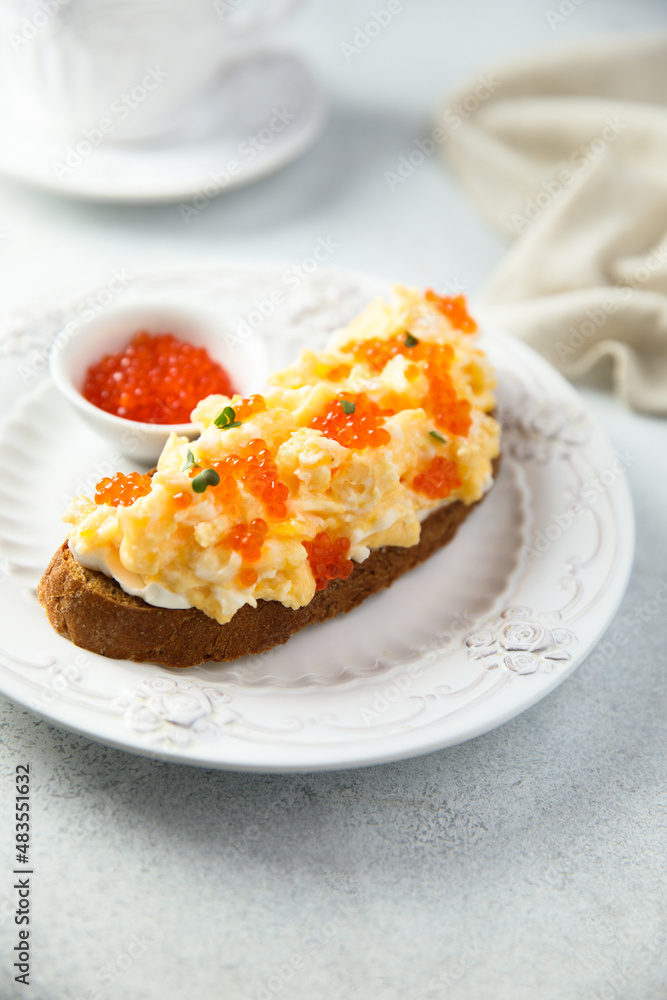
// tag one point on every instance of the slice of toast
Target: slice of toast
(94, 612)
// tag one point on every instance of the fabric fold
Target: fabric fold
(567, 155)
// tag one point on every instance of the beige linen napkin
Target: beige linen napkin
(567, 153)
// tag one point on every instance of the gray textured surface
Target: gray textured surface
(525, 865)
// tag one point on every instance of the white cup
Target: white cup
(128, 68)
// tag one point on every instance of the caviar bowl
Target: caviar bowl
(77, 347)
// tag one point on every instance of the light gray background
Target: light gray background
(525, 865)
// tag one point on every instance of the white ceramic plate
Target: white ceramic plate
(234, 122)
(480, 632)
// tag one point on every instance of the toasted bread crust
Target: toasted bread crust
(94, 612)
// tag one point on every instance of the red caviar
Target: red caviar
(121, 491)
(454, 307)
(248, 407)
(328, 559)
(255, 467)
(353, 420)
(248, 539)
(247, 577)
(438, 479)
(157, 379)
(377, 352)
(338, 373)
(227, 491)
(448, 411)
(182, 500)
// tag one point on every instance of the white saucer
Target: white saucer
(227, 140)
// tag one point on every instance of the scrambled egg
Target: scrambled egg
(364, 494)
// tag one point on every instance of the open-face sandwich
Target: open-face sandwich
(355, 465)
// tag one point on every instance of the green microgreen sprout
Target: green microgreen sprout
(227, 419)
(410, 341)
(207, 477)
(348, 406)
(438, 437)
(189, 462)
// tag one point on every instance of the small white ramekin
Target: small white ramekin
(73, 351)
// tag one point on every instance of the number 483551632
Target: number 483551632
(22, 812)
